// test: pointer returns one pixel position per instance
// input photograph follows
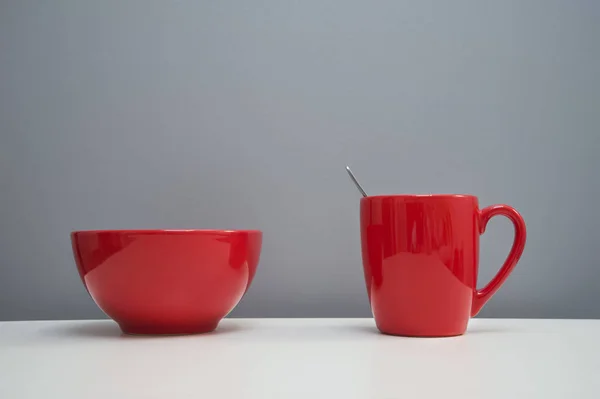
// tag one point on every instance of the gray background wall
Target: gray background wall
(243, 114)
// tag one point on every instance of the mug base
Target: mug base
(168, 330)
(426, 335)
(429, 331)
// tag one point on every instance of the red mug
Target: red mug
(167, 281)
(420, 256)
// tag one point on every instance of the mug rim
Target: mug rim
(164, 231)
(420, 196)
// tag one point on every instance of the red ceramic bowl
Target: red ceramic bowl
(167, 281)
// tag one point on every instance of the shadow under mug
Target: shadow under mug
(420, 257)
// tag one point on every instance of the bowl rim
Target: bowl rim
(165, 231)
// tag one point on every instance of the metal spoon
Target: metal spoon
(355, 181)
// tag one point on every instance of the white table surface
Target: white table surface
(316, 358)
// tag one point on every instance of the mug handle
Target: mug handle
(480, 297)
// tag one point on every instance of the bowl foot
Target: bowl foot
(176, 329)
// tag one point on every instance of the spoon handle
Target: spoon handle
(355, 181)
